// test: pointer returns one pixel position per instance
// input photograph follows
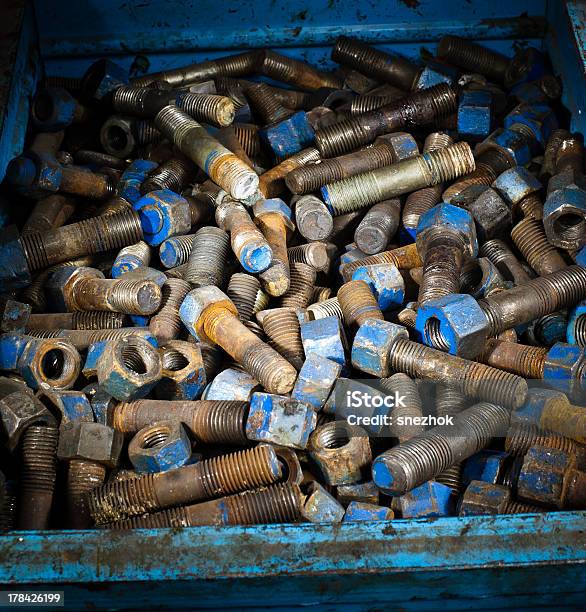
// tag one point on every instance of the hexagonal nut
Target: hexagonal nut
(194, 305)
(320, 506)
(492, 215)
(515, 184)
(512, 144)
(542, 476)
(475, 114)
(341, 451)
(129, 368)
(360, 511)
(163, 214)
(536, 402)
(538, 118)
(454, 323)
(480, 277)
(402, 144)
(279, 420)
(288, 136)
(564, 218)
(563, 367)
(59, 286)
(13, 315)
(486, 465)
(365, 492)
(316, 380)
(436, 72)
(429, 500)
(49, 362)
(568, 178)
(68, 405)
(18, 410)
(14, 270)
(447, 219)
(102, 78)
(160, 447)
(386, 283)
(184, 375)
(90, 441)
(484, 498)
(576, 331)
(231, 384)
(372, 343)
(118, 136)
(132, 178)
(274, 206)
(325, 337)
(94, 352)
(291, 470)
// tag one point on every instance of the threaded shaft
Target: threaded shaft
(442, 266)
(175, 251)
(548, 167)
(515, 507)
(529, 237)
(288, 70)
(174, 174)
(473, 57)
(403, 387)
(527, 361)
(378, 226)
(76, 320)
(358, 303)
(328, 308)
(404, 258)
(407, 317)
(580, 330)
(473, 379)
(265, 104)
(37, 476)
(314, 254)
(272, 182)
(371, 101)
(522, 436)
(536, 298)
(207, 108)
(130, 258)
(140, 297)
(530, 206)
(82, 477)
(281, 326)
(82, 338)
(8, 507)
(247, 135)
(207, 260)
(243, 290)
(505, 260)
(425, 456)
(166, 324)
(321, 294)
(300, 287)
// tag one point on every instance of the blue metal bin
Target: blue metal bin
(484, 563)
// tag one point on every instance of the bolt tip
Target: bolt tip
(256, 257)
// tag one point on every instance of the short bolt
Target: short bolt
(166, 324)
(358, 303)
(207, 259)
(529, 237)
(175, 251)
(378, 226)
(318, 255)
(301, 286)
(313, 219)
(281, 326)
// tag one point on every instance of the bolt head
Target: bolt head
(539, 118)
(14, 271)
(11, 348)
(18, 410)
(403, 144)
(569, 178)
(231, 384)
(463, 328)
(325, 337)
(490, 278)
(484, 498)
(132, 178)
(69, 405)
(435, 73)
(386, 283)
(32, 366)
(492, 216)
(515, 184)
(91, 441)
(316, 380)
(274, 206)
(163, 214)
(475, 114)
(361, 511)
(372, 343)
(194, 305)
(288, 136)
(429, 500)
(14, 316)
(486, 465)
(94, 352)
(564, 364)
(577, 314)
(53, 109)
(117, 136)
(320, 506)
(102, 78)
(59, 285)
(447, 218)
(564, 218)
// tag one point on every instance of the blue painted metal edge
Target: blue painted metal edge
(566, 43)
(294, 550)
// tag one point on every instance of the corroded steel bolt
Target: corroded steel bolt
(446, 236)
(49, 213)
(321, 294)
(99, 159)
(283, 331)
(247, 134)
(87, 289)
(244, 290)
(378, 226)
(548, 167)
(82, 477)
(406, 175)
(274, 219)
(404, 258)
(174, 174)
(211, 109)
(376, 64)
(404, 467)
(505, 260)
(420, 201)
(166, 324)
(220, 164)
(248, 242)
(77, 320)
(38, 473)
(210, 316)
(380, 96)
(96, 235)
(207, 260)
(143, 102)
(569, 155)
(210, 421)
(218, 476)
(235, 88)
(300, 286)
(328, 308)
(83, 338)
(311, 177)
(522, 436)
(130, 258)
(400, 385)
(175, 250)
(234, 65)
(289, 70)
(314, 254)
(228, 137)
(527, 361)
(314, 221)
(529, 237)
(279, 503)
(417, 109)
(273, 182)
(473, 58)
(358, 303)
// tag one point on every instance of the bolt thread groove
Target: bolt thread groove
(302, 281)
(181, 248)
(166, 324)
(505, 260)
(271, 370)
(341, 137)
(378, 226)
(220, 422)
(442, 266)
(370, 102)
(265, 104)
(473, 57)
(529, 237)
(522, 436)
(327, 308)
(515, 507)
(419, 202)
(313, 254)
(527, 361)
(358, 303)
(448, 163)
(208, 108)
(452, 477)
(531, 206)
(82, 477)
(207, 260)
(548, 167)
(282, 328)
(288, 70)
(247, 136)
(243, 290)
(97, 320)
(174, 174)
(580, 330)
(321, 294)
(127, 296)
(406, 388)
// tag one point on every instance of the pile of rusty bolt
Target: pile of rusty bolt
(212, 259)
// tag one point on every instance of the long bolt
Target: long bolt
(529, 237)
(281, 326)
(417, 109)
(49, 213)
(174, 174)
(166, 324)
(288, 70)
(37, 476)
(473, 58)
(210, 421)
(83, 338)
(410, 408)
(423, 457)
(300, 287)
(220, 164)
(211, 109)
(274, 182)
(376, 64)
(358, 303)
(311, 177)
(218, 476)
(404, 258)
(76, 320)
(403, 177)
(505, 260)
(207, 260)
(95, 235)
(82, 477)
